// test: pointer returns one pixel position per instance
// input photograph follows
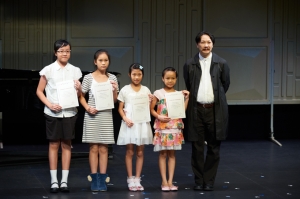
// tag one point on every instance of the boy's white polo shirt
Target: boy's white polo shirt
(54, 73)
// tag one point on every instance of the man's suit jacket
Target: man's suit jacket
(219, 72)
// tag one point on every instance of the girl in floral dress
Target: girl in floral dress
(168, 132)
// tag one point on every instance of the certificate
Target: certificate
(67, 95)
(175, 105)
(103, 96)
(140, 109)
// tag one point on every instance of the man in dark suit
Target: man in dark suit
(207, 78)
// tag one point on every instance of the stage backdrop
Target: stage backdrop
(252, 35)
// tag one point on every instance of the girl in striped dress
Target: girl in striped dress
(98, 125)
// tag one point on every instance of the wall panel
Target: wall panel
(289, 86)
(144, 18)
(8, 46)
(22, 18)
(297, 88)
(288, 54)
(278, 45)
(161, 33)
(277, 53)
(95, 19)
(248, 72)
(105, 30)
(291, 19)
(159, 56)
(22, 55)
(298, 67)
(30, 29)
(224, 18)
(298, 38)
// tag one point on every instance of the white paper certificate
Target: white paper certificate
(140, 109)
(67, 95)
(175, 105)
(103, 95)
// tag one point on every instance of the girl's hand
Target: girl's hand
(91, 110)
(114, 85)
(77, 85)
(150, 97)
(128, 122)
(186, 94)
(55, 108)
(163, 118)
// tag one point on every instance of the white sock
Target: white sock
(53, 174)
(65, 174)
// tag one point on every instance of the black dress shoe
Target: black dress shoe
(198, 187)
(208, 187)
(64, 189)
(55, 189)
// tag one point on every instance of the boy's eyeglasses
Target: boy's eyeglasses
(64, 51)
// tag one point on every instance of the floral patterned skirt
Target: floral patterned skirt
(168, 139)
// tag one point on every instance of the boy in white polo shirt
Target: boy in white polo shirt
(60, 123)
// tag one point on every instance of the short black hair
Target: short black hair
(58, 44)
(169, 69)
(61, 43)
(200, 34)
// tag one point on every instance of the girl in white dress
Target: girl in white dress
(132, 133)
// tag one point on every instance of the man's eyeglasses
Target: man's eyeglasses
(64, 51)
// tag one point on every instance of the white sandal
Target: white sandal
(137, 183)
(131, 184)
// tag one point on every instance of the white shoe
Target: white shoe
(131, 184)
(137, 182)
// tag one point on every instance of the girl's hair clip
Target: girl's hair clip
(141, 67)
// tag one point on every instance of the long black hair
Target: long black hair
(96, 55)
(136, 66)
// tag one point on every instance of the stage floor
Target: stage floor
(248, 169)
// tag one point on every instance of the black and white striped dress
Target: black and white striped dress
(97, 128)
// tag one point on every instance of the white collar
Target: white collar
(208, 57)
(57, 66)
